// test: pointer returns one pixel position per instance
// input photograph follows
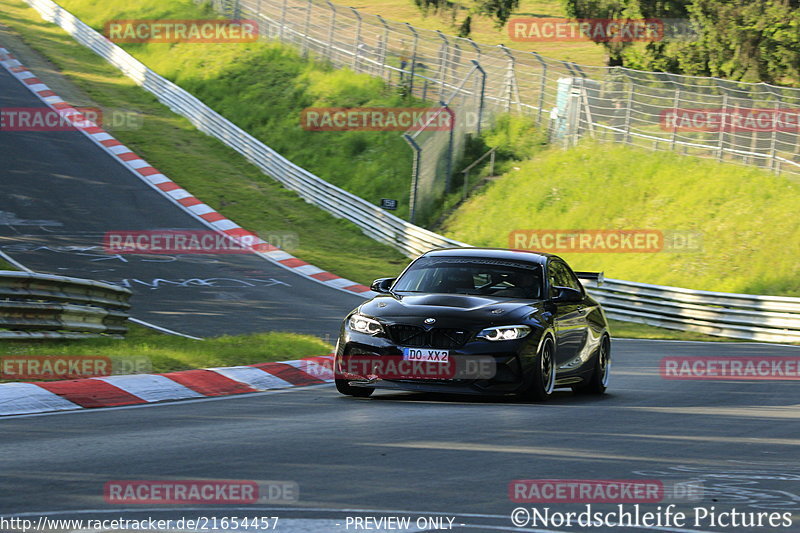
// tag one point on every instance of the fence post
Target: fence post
(412, 195)
(413, 61)
(384, 50)
(450, 141)
(481, 94)
(721, 137)
(357, 42)
(443, 51)
(512, 91)
(283, 20)
(329, 50)
(675, 105)
(774, 141)
(627, 125)
(542, 87)
(306, 29)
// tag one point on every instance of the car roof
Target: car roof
(492, 253)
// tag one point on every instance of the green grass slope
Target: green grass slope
(747, 218)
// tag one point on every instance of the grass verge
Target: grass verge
(169, 353)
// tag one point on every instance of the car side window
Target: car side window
(561, 276)
(571, 279)
(552, 277)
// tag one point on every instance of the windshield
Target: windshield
(475, 276)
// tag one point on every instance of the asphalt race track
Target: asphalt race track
(61, 193)
(444, 462)
(422, 453)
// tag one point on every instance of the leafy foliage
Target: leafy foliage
(747, 40)
(497, 10)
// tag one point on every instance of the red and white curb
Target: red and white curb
(113, 391)
(168, 188)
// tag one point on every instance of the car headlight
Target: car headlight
(363, 324)
(504, 333)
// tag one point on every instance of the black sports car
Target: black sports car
(477, 321)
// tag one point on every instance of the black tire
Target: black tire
(598, 383)
(358, 392)
(543, 378)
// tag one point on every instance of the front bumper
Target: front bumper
(507, 363)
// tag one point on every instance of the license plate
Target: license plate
(426, 354)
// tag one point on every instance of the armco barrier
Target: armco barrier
(739, 316)
(37, 306)
(373, 221)
(762, 318)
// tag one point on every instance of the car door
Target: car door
(569, 319)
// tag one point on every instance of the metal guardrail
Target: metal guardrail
(723, 314)
(37, 306)
(742, 316)
(373, 221)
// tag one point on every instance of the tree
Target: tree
(605, 9)
(498, 10)
(747, 40)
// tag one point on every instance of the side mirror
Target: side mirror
(567, 295)
(382, 285)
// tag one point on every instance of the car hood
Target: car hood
(446, 308)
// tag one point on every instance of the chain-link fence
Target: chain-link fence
(437, 149)
(754, 124)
